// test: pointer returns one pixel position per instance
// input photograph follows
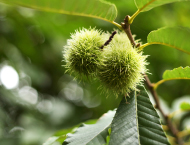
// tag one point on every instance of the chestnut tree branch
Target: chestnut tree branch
(170, 125)
(126, 27)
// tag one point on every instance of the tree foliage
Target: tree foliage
(136, 121)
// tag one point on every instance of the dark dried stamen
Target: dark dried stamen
(109, 40)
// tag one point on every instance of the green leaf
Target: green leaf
(51, 140)
(145, 5)
(176, 37)
(60, 135)
(108, 137)
(179, 73)
(91, 8)
(185, 106)
(137, 123)
(94, 134)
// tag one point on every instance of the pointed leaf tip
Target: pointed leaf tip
(91, 134)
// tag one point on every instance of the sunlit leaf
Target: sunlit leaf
(185, 106)
(60, 135)
(91, 8)
(145, 5)
(176, 37)
(108, 137)
(175, 74)
(91, 134)
(137, 123)
(51, 140)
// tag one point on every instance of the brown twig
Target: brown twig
(109, 40)
(171, 127)
(126, 28)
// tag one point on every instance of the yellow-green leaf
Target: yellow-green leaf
(61, 135)
(91, 8)
(145, 5)
(185, 106)
(175, 74)
(175, 37)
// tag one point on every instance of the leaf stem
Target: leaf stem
(144, 45)
(184, 133)
(158, 83)
(118, 25)
(171, 127)
(164, 80)
(138, 11)
(147, 44)
(171, 115)
(134, 16)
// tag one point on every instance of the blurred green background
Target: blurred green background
(37, 98)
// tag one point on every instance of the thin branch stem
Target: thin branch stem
(126, 28)
(171, 127)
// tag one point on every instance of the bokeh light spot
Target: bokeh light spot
(9, 77)
(28, 94)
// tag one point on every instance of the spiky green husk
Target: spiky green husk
(82, 52)
(121, 66)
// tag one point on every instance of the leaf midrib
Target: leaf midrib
(63, 11)
(150, 43)
(146, 5)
